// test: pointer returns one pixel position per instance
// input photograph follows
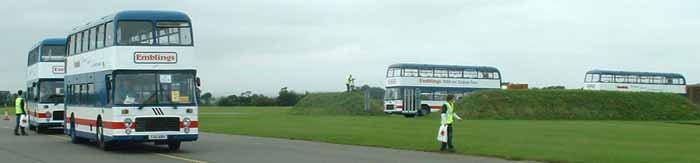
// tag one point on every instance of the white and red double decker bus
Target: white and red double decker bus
(45, 69)
(131, 77)
(430, 85)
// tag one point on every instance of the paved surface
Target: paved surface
(42, 148)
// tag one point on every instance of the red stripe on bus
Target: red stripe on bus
(39, 115)
(119, 125)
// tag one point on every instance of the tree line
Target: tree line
(285, 97)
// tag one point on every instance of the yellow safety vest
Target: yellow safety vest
(18, 105)
(450, 113)
(349, 80)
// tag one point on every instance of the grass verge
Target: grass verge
(551, 141)
(577, 105)
(337, 103)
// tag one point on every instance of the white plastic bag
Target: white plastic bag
(442, 133)
(23, 121)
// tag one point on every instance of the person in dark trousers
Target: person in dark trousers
(19, 111)
(448, 115)
(348, 83)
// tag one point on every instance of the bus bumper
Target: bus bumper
(49, 124)
(144, 138)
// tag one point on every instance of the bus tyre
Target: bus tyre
(100, 137)
(423, 111)
(38, 129)
(73, 137)
(174, 145)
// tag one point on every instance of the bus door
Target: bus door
(411, 101)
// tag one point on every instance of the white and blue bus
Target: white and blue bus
(45, 70)
(433, 83)
(635, 81)
(131, 77)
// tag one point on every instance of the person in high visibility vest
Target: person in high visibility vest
(448, 115)
(19, 111)
(348, 82)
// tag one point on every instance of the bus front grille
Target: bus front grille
(158, 124)
(58, 115)
(389, 107)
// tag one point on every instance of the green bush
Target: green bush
(337, 104)
(576, 105)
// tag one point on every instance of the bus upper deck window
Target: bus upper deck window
(135, 33)
(174, 33)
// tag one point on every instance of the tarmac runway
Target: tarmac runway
(56, 147)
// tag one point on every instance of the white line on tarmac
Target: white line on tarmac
(158, 154)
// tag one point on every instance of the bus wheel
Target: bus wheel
(74, 138)
(38, 129)
(423, 111)
(100, 137)
(174, 145)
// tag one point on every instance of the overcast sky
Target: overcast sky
(311, 45)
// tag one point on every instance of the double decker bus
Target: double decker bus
(635, 81)
(131, 77)
(45, 70)
(433, 83)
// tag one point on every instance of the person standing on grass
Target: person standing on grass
(348, 82)
(448, 115)
(19, 111)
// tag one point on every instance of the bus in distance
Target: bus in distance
(635, 81)
(433, 83)
(131, 77)
(44, 97)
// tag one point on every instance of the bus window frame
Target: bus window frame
(115, 75)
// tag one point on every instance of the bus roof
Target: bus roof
(418, 66)
(54, 41)
(148, 15)
(51, 41)
(611, 72)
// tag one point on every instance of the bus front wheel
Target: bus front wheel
(425, 110)
(100, 136)
(74, 138)
(174, 145)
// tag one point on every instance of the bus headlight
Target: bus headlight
(48, 115)
(187, 122)
(127, 123)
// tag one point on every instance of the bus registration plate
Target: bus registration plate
(157, 137)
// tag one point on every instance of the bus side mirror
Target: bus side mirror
(198, 82)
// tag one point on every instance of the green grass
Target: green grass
(576, 105)
(554, 141)
(337, 103)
